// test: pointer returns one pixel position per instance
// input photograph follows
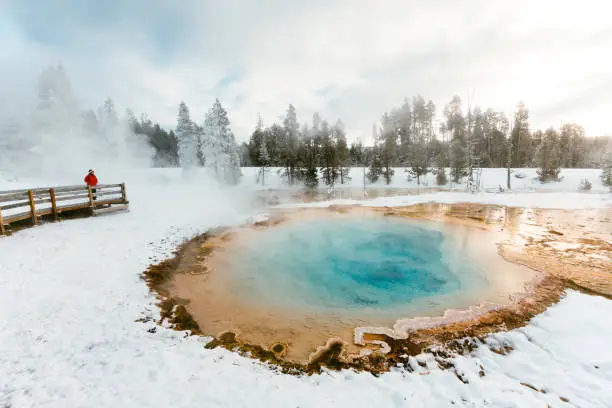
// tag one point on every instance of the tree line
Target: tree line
(408, 136)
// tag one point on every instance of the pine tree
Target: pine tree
(329, 159)
(430, 110)
(606, 174)
(441, 179)
(200, 141)
(521, 138)
(264, 159)
(256, 140)
(388, 148)
(357, 154)
(187, 141)
(548, 157)
(606, 168)
(290, 146)
(402, 117)
(375, 170)
(573, 142)
(455, 123)
(342, 152)
(311, 178)
(221, 152)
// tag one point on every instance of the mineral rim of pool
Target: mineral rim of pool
(320, 274)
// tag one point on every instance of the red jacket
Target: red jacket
(91, 180)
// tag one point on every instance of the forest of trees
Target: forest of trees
(410, 137)
(413, 136)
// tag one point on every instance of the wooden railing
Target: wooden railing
(20, 205)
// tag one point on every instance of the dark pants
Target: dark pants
(93, 193)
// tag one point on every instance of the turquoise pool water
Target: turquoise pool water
(340, 264)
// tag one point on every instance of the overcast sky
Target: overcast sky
(348, 59)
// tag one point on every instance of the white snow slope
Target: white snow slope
(70, 295)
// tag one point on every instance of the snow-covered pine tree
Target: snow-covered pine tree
(199, 137)
(548, 157)
(221, 151)
(187, 139)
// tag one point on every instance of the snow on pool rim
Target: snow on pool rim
(214, 303)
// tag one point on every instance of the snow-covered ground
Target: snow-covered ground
(70, 295)
(490, 179)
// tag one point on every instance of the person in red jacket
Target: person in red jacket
(91, 181)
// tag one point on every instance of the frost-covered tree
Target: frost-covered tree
(548, 157)
(187, 138)
(221, 153)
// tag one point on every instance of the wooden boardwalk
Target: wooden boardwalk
(19, 207)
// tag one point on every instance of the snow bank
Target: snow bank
(70, 295)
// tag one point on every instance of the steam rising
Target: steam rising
(61, 140)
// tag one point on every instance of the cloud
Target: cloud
(348, 59)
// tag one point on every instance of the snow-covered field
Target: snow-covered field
(70, 295)
(490, 179)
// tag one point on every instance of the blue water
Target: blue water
(332, 264)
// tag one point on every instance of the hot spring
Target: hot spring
(344, 266)
(319, 274)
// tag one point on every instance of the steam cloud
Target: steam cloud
(60, 140)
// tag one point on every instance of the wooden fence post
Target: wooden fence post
(2, 230)
(53, 204)
(123, 193)
(90, 196)
(32, 207)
